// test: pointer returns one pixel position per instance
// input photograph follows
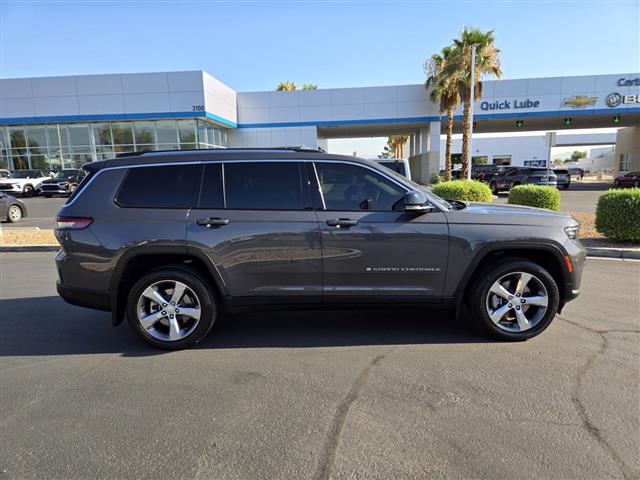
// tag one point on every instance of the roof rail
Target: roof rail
(293, 149)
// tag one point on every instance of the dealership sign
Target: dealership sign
(509, 104)
(616, 99)
(628, 82)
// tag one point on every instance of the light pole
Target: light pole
(471, 101)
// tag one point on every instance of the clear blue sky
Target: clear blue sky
(254, 45)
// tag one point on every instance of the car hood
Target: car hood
(489, 213)
(57, 180)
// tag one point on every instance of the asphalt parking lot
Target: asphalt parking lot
(582, 197)
(385, 394)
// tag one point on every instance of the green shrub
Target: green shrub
(618, 215)
(535, 196)
(467, 190)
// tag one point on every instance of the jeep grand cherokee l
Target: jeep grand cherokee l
(171, 240)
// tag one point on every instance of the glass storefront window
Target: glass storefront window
(188, 146)
(202, 133)
(19, 159)
(53, 136)
(167, 132)
(187, 131)
(79, 134)
(17, 137)
(39, 161)
(102, 134)
(122, 133)
(37, 136)
(144, 133)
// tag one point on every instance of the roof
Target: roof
(228, 154)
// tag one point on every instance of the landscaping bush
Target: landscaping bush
(467, 190)
(618, 215)
(535, 196)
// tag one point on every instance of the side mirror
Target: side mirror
(416, 202)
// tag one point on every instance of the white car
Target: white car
(398, 165)
(24, 182)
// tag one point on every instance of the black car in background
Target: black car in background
(11, 209)
(502, 182)
(63, 183)
(564, 177)
(485, 173)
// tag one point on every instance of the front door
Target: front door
(255, 222)
(372, 251)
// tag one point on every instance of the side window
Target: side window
(172, 186)
(350, 187)
(263, 185)
(212, 192)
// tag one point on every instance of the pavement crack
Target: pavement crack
(586, 421)
(330, 446)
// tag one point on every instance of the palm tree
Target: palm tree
(442, 79)
(286, 86)
(396, 143)
(487, 62)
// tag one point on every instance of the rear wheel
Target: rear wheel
(171, 308)
(14, 214)
(514, 300)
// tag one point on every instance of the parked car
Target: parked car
(24, 182)
(64, 182)
(4, 173)
(563, 177)
(253, 229)
(521, 176)
(398, 165)
(485, 173)
(455, 174)
(629, 179)
(11, 209)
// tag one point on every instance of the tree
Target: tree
(487, 62)
(309, 86)
(396, 144)
(577, 155)
(442, 79)
(286, 86)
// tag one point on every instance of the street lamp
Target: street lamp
(471, 101)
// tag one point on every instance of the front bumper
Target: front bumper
(6, 188)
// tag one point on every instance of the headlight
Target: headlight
(572, 231)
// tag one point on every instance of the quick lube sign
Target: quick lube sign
(509, 104)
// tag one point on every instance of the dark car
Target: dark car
(64, 182)
(172, 240)
(503, 182)
(11, 209)
(455, 174)
(629, 179)
(563, 177)
(485, 173)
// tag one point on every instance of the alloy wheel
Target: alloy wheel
(517, 302)
(168, 310)
(15, 214)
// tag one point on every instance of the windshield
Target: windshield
(65, 174)
(23, 174)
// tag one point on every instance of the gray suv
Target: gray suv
(172, 240)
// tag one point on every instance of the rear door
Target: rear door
(372, 252)
(255, 221)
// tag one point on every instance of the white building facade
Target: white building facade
(56, 122)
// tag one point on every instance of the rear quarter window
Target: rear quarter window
(171, 186)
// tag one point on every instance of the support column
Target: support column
(426, 160)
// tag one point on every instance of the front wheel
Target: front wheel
(14, 215)
(171, 308)
(494, 188)
(28, 191)
(514, 300)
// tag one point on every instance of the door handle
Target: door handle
(212, 222)
(342, 222)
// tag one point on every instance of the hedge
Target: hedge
(535, 196)
(466, 190)
(618, 215)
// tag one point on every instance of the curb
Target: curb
(623, 253)
(28, 248)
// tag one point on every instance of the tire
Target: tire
(188, 330)
(47, 195)
(493, 188)
(28, 191)
(566, 186)
(72, 188)
(14, 214)
(616, 184)
(510, 325)
(636, 184)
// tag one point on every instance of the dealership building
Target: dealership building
(62, 122)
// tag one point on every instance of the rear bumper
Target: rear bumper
(81, 297)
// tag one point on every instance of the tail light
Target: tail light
(73, 223)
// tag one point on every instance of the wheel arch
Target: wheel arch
(138, 261)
